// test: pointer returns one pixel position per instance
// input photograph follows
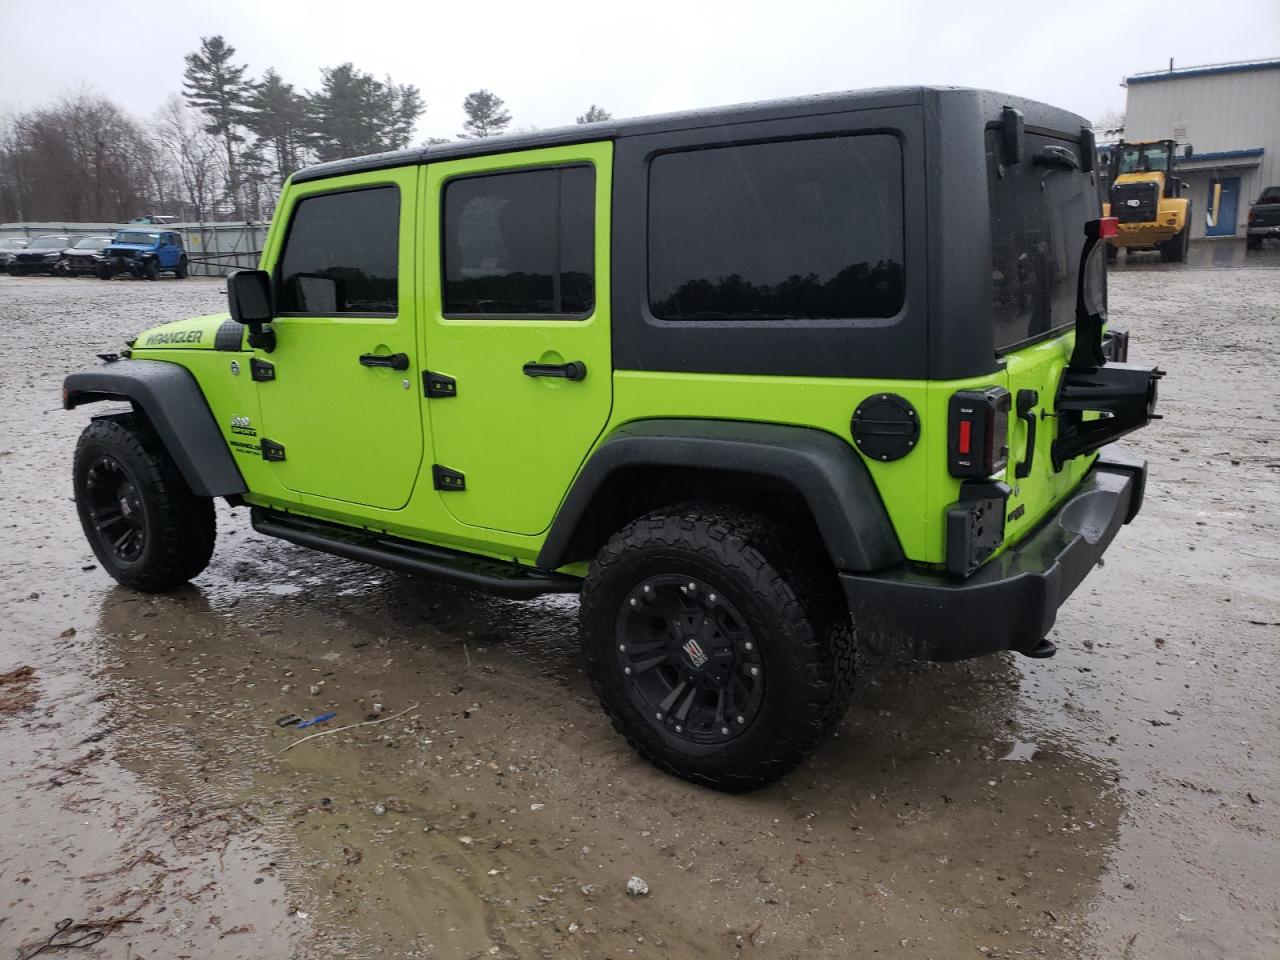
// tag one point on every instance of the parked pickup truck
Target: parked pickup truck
(1264, 218)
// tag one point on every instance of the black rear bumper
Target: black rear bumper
(1011, 603)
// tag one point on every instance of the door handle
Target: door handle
(396, 361)
(573, 370)
(1026, 400)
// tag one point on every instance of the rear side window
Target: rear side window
(1270, 195)
(800, 229)
(341, 255)
(520, 244)
(1038, 213)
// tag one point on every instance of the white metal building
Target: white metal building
(1230, 114)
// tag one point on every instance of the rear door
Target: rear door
(517, 303)
(1038, 214)
(344, 401)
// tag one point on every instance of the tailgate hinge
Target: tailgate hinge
(261, 370)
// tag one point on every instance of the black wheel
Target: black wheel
(180, 271)
(146, 527)
(104, 271)
(1113, 253)
(720, 648)
(152, 270)
(1174, 250)
(1253, 243)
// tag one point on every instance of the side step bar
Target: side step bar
(453, 566)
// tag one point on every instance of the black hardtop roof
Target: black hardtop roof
(1037, 114)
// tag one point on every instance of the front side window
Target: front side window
(341, 255)
(799, 229)
(520, 244)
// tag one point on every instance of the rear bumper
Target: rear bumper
(1272, 230)
(1012, 602)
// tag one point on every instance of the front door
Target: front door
(1227, 208)
(342, 402)
(518, 301)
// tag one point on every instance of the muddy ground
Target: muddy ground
(1119, 801)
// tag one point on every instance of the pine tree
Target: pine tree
(353, 113)
(486, 115)
(278, 116)
(595, 114)
(218, 88)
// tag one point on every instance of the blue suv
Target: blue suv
(139, 252)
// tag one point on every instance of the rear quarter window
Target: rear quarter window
(796, 229)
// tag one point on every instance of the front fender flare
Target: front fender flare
(172, 400)
(825, 471)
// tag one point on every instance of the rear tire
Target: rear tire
(1113, 253)
(180, 271)
(720, 648)
(146, 527)
(1253, 243)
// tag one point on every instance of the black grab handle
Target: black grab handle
(1026, 400)
(396, 361)
(573, 370)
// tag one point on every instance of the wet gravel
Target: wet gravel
(1119, 801)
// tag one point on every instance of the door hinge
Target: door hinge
(446, 479)
(438, 385)
(261, 370)
(271, 450)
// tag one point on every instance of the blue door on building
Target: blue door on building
(1228, 207)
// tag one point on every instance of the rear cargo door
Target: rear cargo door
(1039, 208)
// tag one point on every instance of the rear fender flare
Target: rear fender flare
(175, 406)
(820, 468)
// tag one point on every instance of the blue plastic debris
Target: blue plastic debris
(314, 720)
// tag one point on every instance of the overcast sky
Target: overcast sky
(550, 60)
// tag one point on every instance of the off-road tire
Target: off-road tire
(104, 271)
(151, 270)
(1174, 250)
(1113, 253)
(1253, 243)
(178, 527)
(180, 271)
(792, 602)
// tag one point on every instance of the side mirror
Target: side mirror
(249, 300)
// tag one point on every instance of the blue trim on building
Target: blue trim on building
(1220, 155)
(1203, 71)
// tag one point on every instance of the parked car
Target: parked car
(42, 254)
(9, 246)
(144, 254)
(761, 383)
(1264, 218)
(82, 258)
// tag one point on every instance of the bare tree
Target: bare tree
(194, 156)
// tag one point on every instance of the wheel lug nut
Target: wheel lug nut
(679, 729)
(647, 589)
(635, 602)
(692, 586)
(622, 646)
(627, 671)
(724, 731)
(748, 645)
(742, 719)
(755, 671)
(711, 598)
(659, 716)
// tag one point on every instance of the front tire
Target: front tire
(146, 527)
(151, 271)
(720, 648)
(1174, 250)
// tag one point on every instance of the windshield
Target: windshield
(1150, 158)
(143, 239)
(12, 244)
(92, 243)
(49, 243)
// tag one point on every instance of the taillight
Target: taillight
(1108, 227)
(978, 432)
(1252, 213)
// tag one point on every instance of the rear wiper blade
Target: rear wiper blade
(1056, 157)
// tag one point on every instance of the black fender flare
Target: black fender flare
(174, 404)
(825, 471)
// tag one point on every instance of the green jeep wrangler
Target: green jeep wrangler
(762, 383)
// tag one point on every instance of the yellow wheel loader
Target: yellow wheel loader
(1148, 200)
